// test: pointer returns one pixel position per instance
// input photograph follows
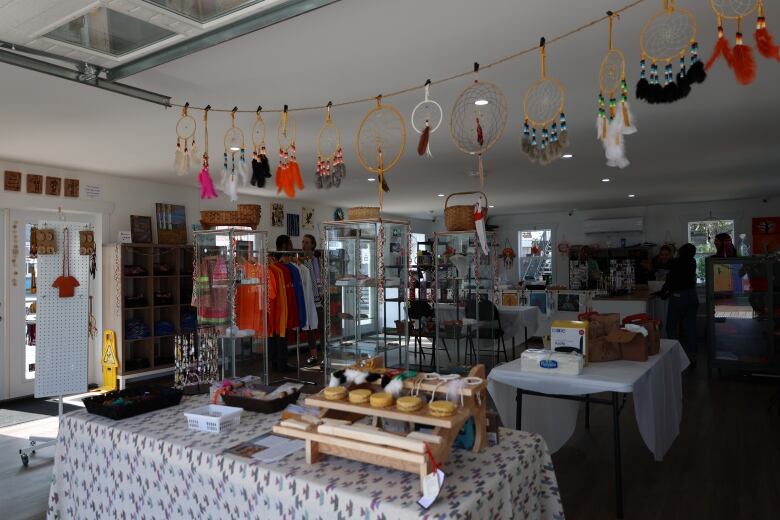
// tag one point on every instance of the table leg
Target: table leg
(587, 411)
(519, 411)
(616, 446)
(526, 337)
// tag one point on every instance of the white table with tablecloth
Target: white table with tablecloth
(516, 321)
(656, 386)
(152, 466)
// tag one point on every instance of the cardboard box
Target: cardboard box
(573, 334)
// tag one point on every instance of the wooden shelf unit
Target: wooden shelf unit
(158, 351)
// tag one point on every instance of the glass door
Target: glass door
(3, 281)
(22, 290)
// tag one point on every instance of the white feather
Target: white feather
(334, 381)
(614, 144)
(243, 171)
(353, 376)
(395, 387)
(178, 161)
(230, 185)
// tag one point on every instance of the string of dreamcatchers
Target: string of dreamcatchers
(479, 115)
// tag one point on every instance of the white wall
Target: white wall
(662, 223)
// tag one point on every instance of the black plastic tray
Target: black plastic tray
(157, 399)
(258, 405)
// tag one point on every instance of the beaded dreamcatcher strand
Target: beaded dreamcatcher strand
(234, 157)
(426, 118)
(288, 173)
(544, 129)
(478, 119)
(207, 190)
(380, 143)
(666, 37)
(740, 57)
(331, 169)
(614, 118)
(185, 142)
(261, 168)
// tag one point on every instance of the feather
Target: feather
(370, 378)
(743, 62)
(614, 145)
(337, 379)
(207, 190)
(454, 389)
(355, 377)
(243, 171)
(422, 144)
(628, 120)
(641, 89)
(395, 387)
(385, 380)
(721, 49)
(186, 166)
(683, 84)
(696, 73)
(480, 134)
(766, 44)
(385, 186)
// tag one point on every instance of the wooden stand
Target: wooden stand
(394, 450)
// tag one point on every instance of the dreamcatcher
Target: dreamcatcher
(764, 41)
(234, 158)
(740, 57)
(426, 118)
(478, 119)
(380, 142)
(544, 130)
(207, 190)
(261, 168)
(288, 174)
(614, 117)
(330, 157)
(185, 142)
(667, 36)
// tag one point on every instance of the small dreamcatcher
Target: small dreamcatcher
(288, 174)
(261, 168)
(614, 117)
(235, 158)
(478, 119)
(666, 37)
(544, 130)
(764, 41)
(380, 142)
(185, 142)
(207, 190)
(330, 157)
(740, 57)
(426, 118)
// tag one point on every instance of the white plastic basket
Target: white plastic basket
(213, 418)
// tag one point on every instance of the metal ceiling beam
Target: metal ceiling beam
(87, 75)
(271, 16)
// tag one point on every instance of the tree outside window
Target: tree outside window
(701, 234)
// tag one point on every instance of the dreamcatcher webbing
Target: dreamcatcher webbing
(261, 168)
(207, 190)
(288, 173)
(666, 37)
(234, 157)
(186, 148)
(331, 169)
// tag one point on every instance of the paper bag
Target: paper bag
(633, 345)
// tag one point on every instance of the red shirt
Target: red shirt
(67, 286)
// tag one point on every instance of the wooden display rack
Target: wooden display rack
(393, 450)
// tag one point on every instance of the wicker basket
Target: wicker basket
(461, 218)
(363, 213)
(247, 215)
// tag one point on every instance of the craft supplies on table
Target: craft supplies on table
(213, 418)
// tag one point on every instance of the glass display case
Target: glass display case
(465, 325)
(231, 296)
(743, 319)
(367, 278)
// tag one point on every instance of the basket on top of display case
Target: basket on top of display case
(461, 218)
(246, 215)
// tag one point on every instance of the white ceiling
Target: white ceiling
(719, 143)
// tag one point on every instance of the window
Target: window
(416, 239)
(534, 251)
(701, 234)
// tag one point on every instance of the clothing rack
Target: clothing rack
(298, 254)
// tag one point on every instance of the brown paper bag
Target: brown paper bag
(600, 350)
(609, 322)
(633, 345)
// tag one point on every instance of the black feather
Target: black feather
(642, 87)
(385, 380)
(697, 74)
(373, 377)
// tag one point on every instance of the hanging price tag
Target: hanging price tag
(432, 485)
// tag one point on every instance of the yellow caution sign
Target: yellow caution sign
(110, 362)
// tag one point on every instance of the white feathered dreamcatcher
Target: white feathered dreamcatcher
(614, 114)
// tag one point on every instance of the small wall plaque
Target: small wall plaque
(13, 181)
(34, 183)
(53, 186)
(71, 187)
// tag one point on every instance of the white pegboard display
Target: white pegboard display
(62, 323)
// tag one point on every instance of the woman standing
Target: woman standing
(680, 289)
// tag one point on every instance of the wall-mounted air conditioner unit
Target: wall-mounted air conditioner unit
(614, 225)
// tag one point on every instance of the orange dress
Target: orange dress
(249, 298)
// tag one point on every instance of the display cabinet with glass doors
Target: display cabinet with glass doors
(366, 283)
(467, 325)
(232, 299)
(743, 313)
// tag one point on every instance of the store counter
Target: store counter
(152, 466)
(638, 302)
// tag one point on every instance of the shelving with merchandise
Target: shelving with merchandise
(366, 283)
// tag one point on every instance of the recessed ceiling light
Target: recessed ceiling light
(234, 148)
(605, 179)
(491, 206)
(371, 179)
(440, 195)
(481, 102)
(567, 156)
(631, 196)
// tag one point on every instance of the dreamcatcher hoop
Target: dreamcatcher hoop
(330, 162)
(719, 6)
(328, 125)
(285, 130)
(429, 110)
(608, 70)
(382, 166)
(234, 136)
(258, 131)
(182, 131)
(186, 128)
(672, 16)
(479, 106)
(544, 110)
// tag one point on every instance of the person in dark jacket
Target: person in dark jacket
(680, 289)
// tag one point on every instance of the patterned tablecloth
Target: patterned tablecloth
(152, 467)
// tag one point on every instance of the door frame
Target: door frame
(5, 361)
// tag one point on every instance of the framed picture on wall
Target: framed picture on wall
(277, 214)
(141, 229)
(308, 218)
(293, 224)
(13, 181)
(34, 183)
(171, 224)
(538, 299)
